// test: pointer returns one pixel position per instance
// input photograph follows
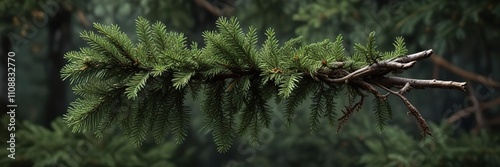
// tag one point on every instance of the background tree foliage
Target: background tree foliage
(59, 146)
(462, 32)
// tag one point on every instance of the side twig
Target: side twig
(413, 111)
(465, 74)
(375, 74)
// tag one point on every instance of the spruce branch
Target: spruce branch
(147, 81)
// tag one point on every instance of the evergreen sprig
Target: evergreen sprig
(141, 86)
(383, 112)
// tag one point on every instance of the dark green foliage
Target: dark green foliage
(397, 148)
(296, 98)
(383, 112)
(141, 87)
(369, 50)
(361, 145)
(220, 114)
(58, 146)
(177, 14)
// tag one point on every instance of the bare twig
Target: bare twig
(216, 11)
(366, 86)
(421, 121)
(465, 74)
(366, 77)
(399, 82)
(379, 67)
(405, 88)
(415, 56)
(349, 111)
(435, 73)
(209, 7)
(489, 104)
(83, 19)
(384, 67)
(477, 106)
(479, 113)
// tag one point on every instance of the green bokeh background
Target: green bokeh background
(465, 33)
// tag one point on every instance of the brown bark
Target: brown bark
(465, 74)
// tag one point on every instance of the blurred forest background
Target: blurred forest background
(464, 34)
